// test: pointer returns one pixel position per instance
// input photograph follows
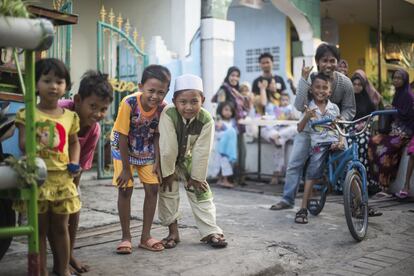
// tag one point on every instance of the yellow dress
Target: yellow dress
(58, 193)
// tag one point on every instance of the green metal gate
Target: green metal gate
(119, 56)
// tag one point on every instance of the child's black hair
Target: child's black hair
(224, 104)
(44, 66)
(320, 76)
(265, 55)
(95, 83)
(327, 48)
(158, 72)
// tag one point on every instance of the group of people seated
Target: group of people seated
(236, 105)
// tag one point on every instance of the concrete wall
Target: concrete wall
(258, 28)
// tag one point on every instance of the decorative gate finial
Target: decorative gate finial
(103, 13)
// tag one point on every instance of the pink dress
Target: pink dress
(410, 147)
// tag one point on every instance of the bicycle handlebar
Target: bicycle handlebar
(367, 118)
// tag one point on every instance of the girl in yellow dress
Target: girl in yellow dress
(57, 144)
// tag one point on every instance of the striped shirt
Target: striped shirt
(342, 95)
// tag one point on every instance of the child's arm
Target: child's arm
(308, 113)
(156, 169)
(263, 96)
(201, 152)
(22, 137)
(168, 148)
(125, 176)
(74, 154)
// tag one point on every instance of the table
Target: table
(261, 122)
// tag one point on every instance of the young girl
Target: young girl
(280, 134)
(58, 145)
(134, 143)
(226, 144)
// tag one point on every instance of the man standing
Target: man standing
(274, 84)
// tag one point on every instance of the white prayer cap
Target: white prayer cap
(187, 82)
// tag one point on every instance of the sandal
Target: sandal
(215, 241)
(169, 243)
(402, 194)
(152, 245)
(374, 212)
(302, 216)
(280, 206)
(125, 247)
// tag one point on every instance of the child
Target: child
(134, 143)
(410, 167)
(226, 144)
(186, 137)
(58, 145)
(319, 108)
(280, 134)
(91, 103)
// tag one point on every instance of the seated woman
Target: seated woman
(385, 150)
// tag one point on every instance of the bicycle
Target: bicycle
(355, 191)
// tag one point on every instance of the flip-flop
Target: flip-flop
(374, 213)
(169, 243)
(150, 245)
(402, 194)
(125, 247)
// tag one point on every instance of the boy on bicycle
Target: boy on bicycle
(322, 139)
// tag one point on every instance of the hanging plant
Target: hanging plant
(14, 8)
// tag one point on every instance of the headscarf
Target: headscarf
(373, 94)
(344, 62)
(229, 71)
(403, 101)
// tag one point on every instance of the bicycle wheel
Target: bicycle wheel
(356, 208)
(318, 198)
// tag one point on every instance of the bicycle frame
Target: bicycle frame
(339, 162)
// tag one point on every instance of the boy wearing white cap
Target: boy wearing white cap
(186, 137)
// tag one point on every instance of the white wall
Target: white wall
(176, 21)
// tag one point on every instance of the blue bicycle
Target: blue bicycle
(354, 185)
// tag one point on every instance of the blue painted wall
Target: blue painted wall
(258, 28)
(191, 64)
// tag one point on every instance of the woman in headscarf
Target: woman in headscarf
(367, 100)
(384, 151)
(229, 92)
(342, 67)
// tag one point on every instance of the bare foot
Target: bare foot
(77, 266)
(227, 184)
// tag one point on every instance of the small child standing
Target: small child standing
(91, 103)
(280, 134)
(320, 107)
(186, 138)
(410, 168)
(225, 144)
(135, 145)
(58, 145)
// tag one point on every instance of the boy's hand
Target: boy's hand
(306, 70)
(124, 178)
(337, 146)
(309, 113)
(156, 169)
(167, 182)
(197, 185)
